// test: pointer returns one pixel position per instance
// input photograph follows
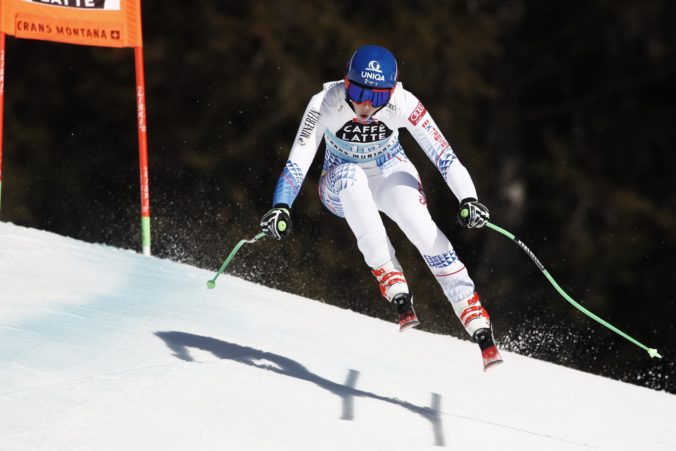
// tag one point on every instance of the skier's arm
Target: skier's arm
(420, 124)
(303, 151)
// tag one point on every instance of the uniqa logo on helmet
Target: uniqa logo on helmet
(372, 65)
(373, 72)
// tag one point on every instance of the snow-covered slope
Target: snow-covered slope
(105, 349)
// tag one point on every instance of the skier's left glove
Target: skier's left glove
(472, 214)
(276, 223)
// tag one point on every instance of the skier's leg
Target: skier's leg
(345, 191)
(400, 197)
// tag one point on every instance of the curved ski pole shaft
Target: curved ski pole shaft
(212, 283)
(652, 352)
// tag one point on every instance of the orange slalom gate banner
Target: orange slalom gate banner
(103, 23)
(106, 23)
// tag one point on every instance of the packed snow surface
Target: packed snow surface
(106, 349)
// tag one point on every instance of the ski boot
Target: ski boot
(489, 352)
(477, 323)
(394, 288)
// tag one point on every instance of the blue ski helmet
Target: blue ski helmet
(373, 66)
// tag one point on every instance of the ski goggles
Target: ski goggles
(360, 94)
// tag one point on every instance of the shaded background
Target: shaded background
(563, 112)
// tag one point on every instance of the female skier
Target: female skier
(366, 172)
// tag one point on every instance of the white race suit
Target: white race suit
(366, 171)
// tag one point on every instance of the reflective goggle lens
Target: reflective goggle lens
(360, 94)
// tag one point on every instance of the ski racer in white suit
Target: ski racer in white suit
(366, 171)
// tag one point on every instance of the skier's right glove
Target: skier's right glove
(472, 214)
(276, 223)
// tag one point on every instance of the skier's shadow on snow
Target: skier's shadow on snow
(179, 342)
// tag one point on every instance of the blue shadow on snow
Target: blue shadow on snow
(179, 342)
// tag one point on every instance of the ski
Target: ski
(407, 317)
(408, 320)
(491, 357)
(489, 352)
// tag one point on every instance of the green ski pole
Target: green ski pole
(212, 283)
(651, 351)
